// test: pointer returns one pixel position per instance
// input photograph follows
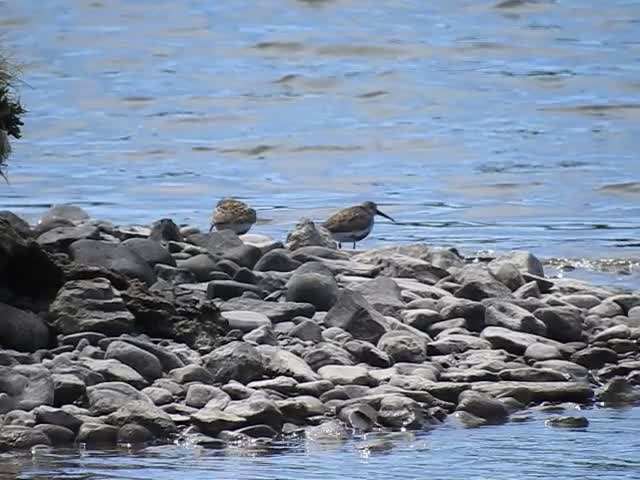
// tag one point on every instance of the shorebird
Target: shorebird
(352, 224)
(231, 214)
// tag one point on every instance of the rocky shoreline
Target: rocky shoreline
(136, 336)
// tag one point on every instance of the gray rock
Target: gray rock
(191, 373)
(473, 312)
(281, 362)
(159, 396)
(307, 330)
(529, 374)
(403, 346)
(594, 357)
(26, 387)
(22, 330)
(307, 234)
(526, 262)
(355, 315)
(212, 421)
(97, 435)
(90, 305)
(477, 283)
(147, 415)
(541, 352)
(507, 273)
(456, 343)
(243, 255)
(383, 294)
(203, 266)
(617, 331)
(165, 230)
(57, 435)
(396, 262)
(331, 431)
(107, 397)
(364, 352)
(619, 391)
(134, 434)
(537, 392)
(246, 320)
(228, 289)
(143, 362)
(528, 290)
(174, 275)
(326, 353)
(492, 411)
(315, 288)
(277, 261)
(276, 311)
(151, 251)
(199, 395)
(116, 257)
(63, 236)
(581, 300)
(314, 388)
(398, 411)
(57, 416)
(299, 408)
(513, 317)
(20, 225)
(15, 437)
(563, 323)
(264, 335)
(235, 361)
(167, 358)
(20, 417)
(606, 309)
(345, 375)
(280, 384)
(67, 389)
(114, 370)
(577, 372)
(257, 410)
(421, 318)
(513, 342)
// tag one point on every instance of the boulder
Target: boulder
(165, 230)
(383, 294)
(276, 311)
(277, 260)
(281, 362)
(22, 330)
(63, 236)
(25, 387)
(307, 234)
(345, 375)
(513, 317)
(477, 283)
(143, 362)
(257, 410)
(564, 324)
(113, 256)
(90, 305)
(400, 412)
(402, 346)
(234, 361)
(105, 398)
(15, 437)
(355, 315)
(151, 251)
(140, 412)
(318, 289)
(326, 353)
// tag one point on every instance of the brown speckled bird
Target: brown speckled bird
(354, 223)
(231, 214)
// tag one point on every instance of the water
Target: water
(478, 126)
(607, 449)
(473, 125)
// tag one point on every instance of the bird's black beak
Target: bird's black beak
(378, 212)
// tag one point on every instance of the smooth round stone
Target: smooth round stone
(245, 320)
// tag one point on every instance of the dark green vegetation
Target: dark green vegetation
(10, 109)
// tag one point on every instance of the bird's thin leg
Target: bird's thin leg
(339, 245)
(354, 245)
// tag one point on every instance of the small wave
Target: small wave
(628, 187)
